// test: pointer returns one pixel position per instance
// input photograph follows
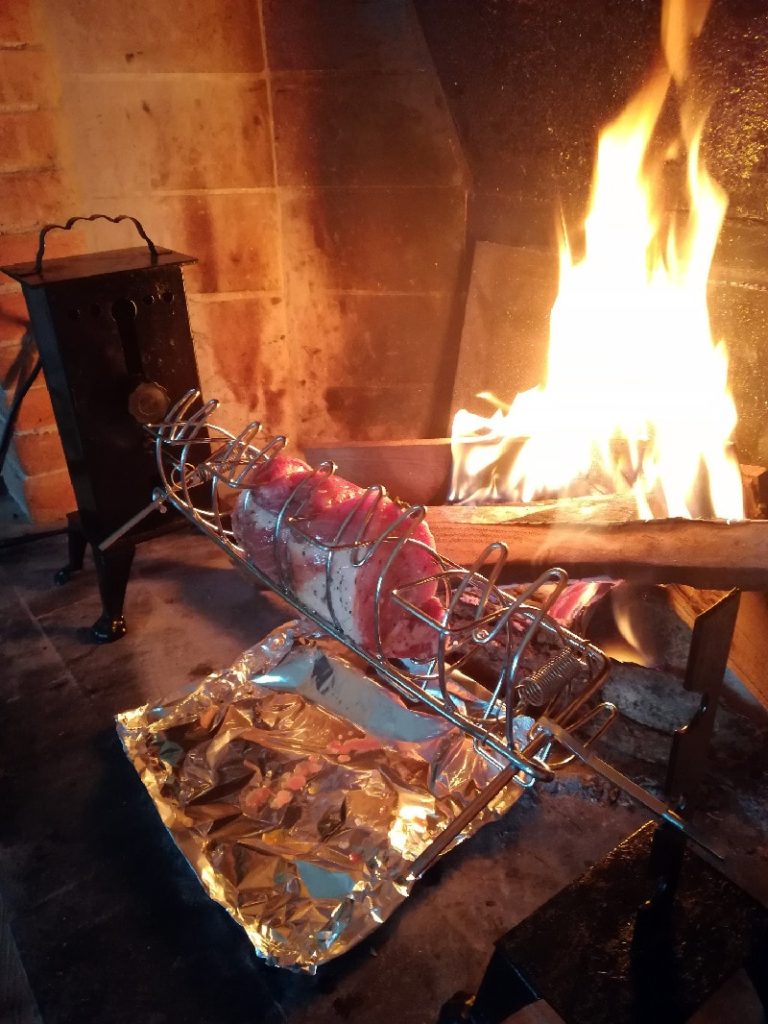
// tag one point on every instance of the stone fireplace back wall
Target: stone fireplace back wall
(302, 150)
(530, 84)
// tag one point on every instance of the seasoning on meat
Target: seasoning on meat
(326, 510)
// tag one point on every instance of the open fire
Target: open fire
(636, 400)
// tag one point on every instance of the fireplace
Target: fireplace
(340, 171)
(368, 149)
(378, 244)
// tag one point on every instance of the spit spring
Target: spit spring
(546, 682)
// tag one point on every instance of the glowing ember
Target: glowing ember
(636, 399)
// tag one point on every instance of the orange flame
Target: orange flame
(636, 397)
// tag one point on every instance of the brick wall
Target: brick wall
(35, 188)
(302, 150)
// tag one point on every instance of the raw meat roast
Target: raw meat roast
(321, 506)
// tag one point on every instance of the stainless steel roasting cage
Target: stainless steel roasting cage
(537, 710)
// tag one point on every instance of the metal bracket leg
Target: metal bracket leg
(503, 991)
(664, 866)
(113, 568)
(756, 966)
(76, 545)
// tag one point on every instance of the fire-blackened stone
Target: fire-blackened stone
(373, 129)
(374, 240)
(347, 35)
(530, 85)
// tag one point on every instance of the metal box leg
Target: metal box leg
(756, 966)
(113, 568)
(76, 544)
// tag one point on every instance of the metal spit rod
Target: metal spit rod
(658, 807)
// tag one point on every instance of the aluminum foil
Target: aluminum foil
(301, 789)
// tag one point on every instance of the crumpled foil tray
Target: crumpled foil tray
(301, 789)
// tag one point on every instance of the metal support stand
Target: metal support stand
(650, 932)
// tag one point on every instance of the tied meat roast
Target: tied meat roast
(321, 510)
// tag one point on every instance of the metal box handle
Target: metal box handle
(94, 216)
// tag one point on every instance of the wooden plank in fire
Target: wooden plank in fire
(711, 555)
(418, 470)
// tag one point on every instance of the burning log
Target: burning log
(712, 555)
(587, 537)
(419, 471)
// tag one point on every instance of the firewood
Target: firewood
(712, 555)
(586, 536)
(418, 470)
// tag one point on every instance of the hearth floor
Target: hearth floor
(110, 923)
